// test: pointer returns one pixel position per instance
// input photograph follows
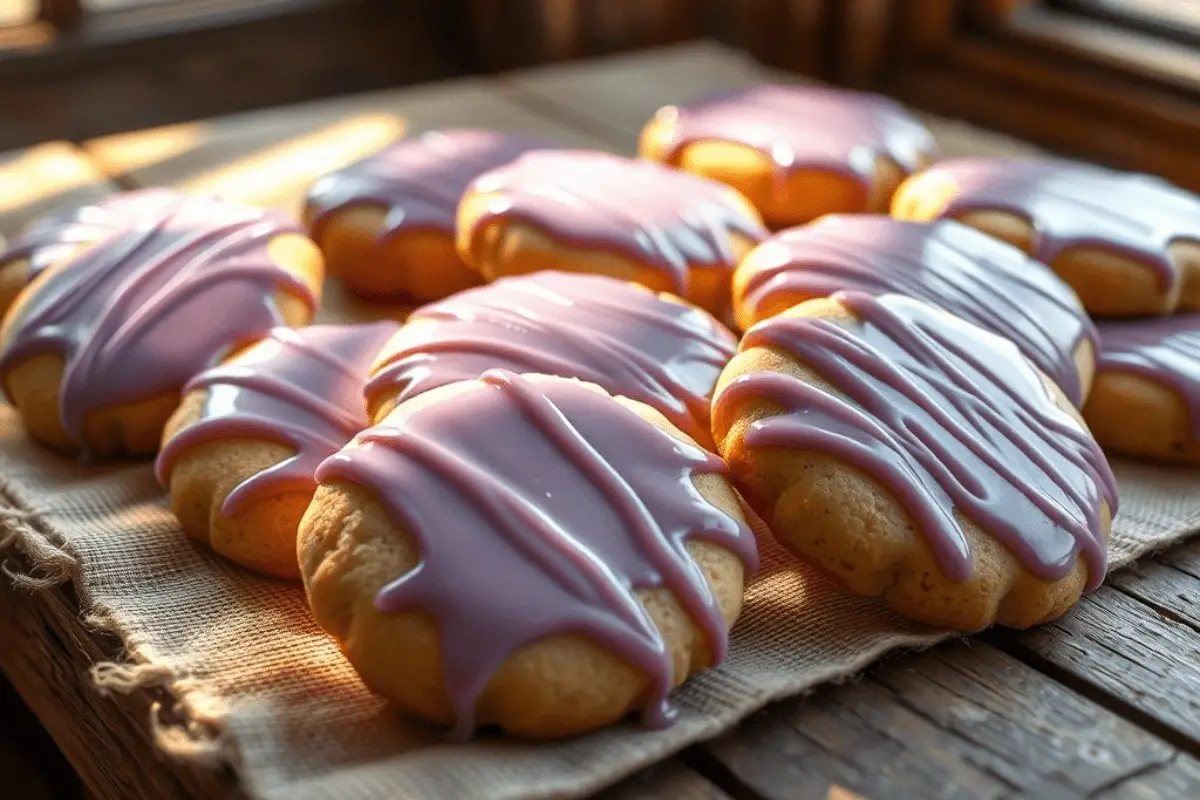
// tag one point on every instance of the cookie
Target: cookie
(968, 273)
(1146, 401)
(918, 457)
(96, 351)
(585, 211)
(58, 235)
(239, 455)
(386, 223)
(526, 552)
(652, 348)
(1128, 244)
(796, 152)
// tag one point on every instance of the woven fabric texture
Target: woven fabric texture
(260, 687)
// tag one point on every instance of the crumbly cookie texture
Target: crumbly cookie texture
(465, 610)
(917, 457)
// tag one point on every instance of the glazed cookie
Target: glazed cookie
(796, 152)
(918, 457)
(652, 348)
(1127, 244)
(968, 273)
(526, 552)
(1146, 401)
(95, 352)
(386, 223)
(239, 455)
(60, 234)
(585, 211)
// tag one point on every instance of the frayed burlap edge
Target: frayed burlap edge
(185, 723)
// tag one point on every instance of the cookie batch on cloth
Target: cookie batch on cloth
(95, 352)
(386, 223)
(621, 336)
(586, 211)
(1128, 244)
(972, 275)
(527, 552)
(239, 455)
(918, 457)
(796, 152)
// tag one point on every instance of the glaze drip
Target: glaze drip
(951, 419)
(805, 128)
(1070, 205)
(624, 338)
(58, 234)
(538, 508)
(418, 180)
(133, 317)
(667, 219)
(1162, 349)
(301, 388)
(968, 273)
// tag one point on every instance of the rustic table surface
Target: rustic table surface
(1103, 703)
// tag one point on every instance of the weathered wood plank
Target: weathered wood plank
(1178, 778)
(38, 179)
(270, 157)
(1118, 646)
(30, 766)
(46, 656)
(670, 779)
(963, 720)
(1166, 584)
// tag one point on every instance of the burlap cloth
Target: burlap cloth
(261, 688)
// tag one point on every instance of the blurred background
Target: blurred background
(1113, 80)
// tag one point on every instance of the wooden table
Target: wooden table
(1103, 703)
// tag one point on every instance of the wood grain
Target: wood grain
(963, 720)
(1168, 583)
(1113, 644)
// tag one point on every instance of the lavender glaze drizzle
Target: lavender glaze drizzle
(805, 128)
(418, 180)
(667, 219)
(298, 387)
(1161, 349)
(966, 272)
(950, 418)
(608, 332)
(133, 316)
(56, 235)
(1071, 205)
(538, 509)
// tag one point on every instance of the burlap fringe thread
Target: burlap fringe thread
(180, 728)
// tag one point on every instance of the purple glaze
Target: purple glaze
(1162, 349)
(968, 273)
(622, 337)
(805, 128)
(950, 418)
(1070, 205)
(165, 296)
(661, 217)
(302, 388)
(419, 180)
(52, 237)
(538, 508)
